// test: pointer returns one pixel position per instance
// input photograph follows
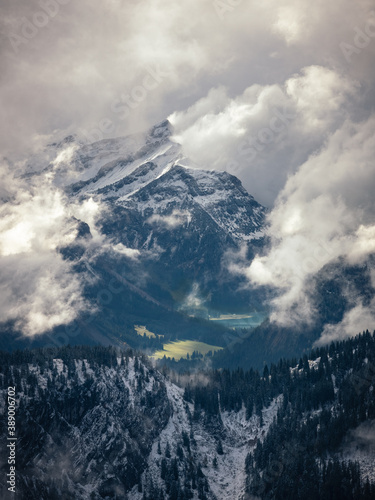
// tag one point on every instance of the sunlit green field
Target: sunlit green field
(180, 349)
(142, 330)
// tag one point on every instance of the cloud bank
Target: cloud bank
(325, 212)
(264, 134)
(39, 289)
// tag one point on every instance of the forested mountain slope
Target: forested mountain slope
(95, 423)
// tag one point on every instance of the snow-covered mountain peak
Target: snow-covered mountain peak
(160, 131)
(106, 166)
(150, 175)
(219, 195)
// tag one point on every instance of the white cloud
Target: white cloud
(264, 134)
(319, 94)
(39, 289)
(29, 224)
(325, 212)
(175, 219)
(357, 320)
(290, 23)
(65, 156)
(132, 253)
(89, 211)
(193, 299)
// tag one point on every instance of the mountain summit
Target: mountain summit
(152, 176)
(170, 231)
(181, 219)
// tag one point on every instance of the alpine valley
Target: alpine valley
(173, 383)
(160, 262)
(169, 232)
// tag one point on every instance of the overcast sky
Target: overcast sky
(67, 66)
(281, 93)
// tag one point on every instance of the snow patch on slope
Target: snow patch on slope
(239, 436)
